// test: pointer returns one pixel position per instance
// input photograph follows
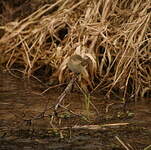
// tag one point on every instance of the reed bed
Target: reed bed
(115, 35)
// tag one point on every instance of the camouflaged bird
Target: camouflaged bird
(77, 64)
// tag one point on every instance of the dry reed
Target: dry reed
(115, 35)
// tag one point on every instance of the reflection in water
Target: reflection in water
(17, 94)
(19, 97)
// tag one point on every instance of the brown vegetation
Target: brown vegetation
(114, 35)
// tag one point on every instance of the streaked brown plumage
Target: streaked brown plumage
(76, 63)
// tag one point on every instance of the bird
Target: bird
(77, 64)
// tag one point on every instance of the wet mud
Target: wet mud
(28, 120)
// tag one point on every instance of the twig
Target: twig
(96, 127)
(51, 87)
(61, 97)
(122, 143)
(86, 94)
(70, 111)
(65, 92)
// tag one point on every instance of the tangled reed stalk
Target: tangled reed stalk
(115, 35)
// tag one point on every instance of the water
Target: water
(21, 101)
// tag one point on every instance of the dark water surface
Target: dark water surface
(20, 102)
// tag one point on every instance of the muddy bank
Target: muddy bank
(26, 120)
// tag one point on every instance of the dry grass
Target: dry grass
(115, 35)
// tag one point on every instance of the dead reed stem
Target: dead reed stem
(114, 35)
